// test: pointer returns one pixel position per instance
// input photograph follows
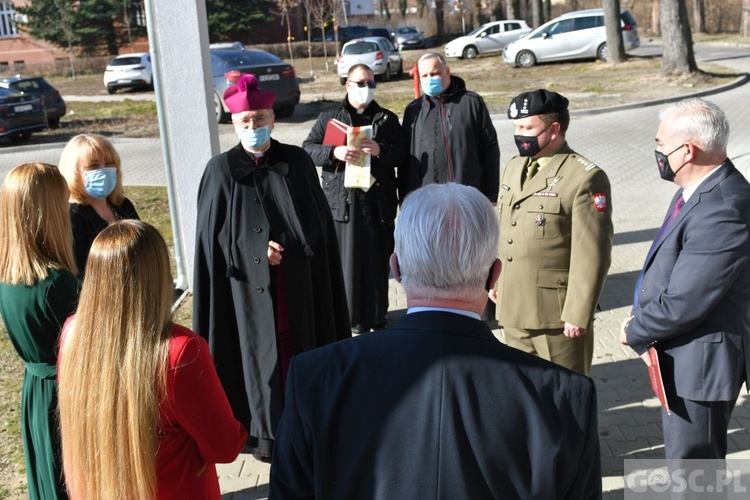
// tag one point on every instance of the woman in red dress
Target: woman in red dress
(143, 414)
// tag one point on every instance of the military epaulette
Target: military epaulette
(586, 164)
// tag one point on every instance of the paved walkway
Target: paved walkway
(620, 141)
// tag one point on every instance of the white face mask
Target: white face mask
(363, 96)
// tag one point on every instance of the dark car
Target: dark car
(273, 74)
(383, 32)
(20, 115)
(346, 33)
(38, 86)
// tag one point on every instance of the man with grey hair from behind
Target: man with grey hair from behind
(436, 406)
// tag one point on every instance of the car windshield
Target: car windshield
(361, 48)
(475, 31)
(30, 85)
(407, 31)
(126, 61)
(244, 58)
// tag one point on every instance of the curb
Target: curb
(742, 80)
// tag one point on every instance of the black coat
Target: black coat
(240, 208)
(86, 225)
(387, 133)
(435, 407)
(471, 147)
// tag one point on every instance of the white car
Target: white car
(378, 53)
(490, 37)
(128, 71)
(575, 35)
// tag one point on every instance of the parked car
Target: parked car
(129, 71)
(378, 53)
(346, 33)
(490, 37)
(273, 74)
(227, 45)
(53, 102)
(384, 32)
(575, 35)
(20, 115)
(408, 37)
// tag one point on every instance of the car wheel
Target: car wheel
(526, 59)
(602, 52)
(285, 111)
(470, 52)
(400, 69)
(53, 122)
(111, 90)
(221, 115)
(386, 76)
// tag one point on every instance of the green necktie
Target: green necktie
(531, 170)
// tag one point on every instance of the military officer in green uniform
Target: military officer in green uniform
(555, 211)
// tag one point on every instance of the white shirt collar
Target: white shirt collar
(688, 192)
(444, 309)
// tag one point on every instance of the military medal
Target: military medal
(540, 220)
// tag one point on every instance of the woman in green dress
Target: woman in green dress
(38, 291)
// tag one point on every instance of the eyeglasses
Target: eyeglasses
(259, 120)
(362, 85)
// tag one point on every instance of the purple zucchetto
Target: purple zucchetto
(246, 96)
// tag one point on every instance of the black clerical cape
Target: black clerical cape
(241, 207)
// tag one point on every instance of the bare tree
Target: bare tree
(513, 9)
(615, 48)
(573, 4)
(384, 8)
(699, 16)
(439, 19)
(745, 23)
(536, 13)
(547, 11)
(477, 7)
(655, 25)
(678, 58)
(284, 7)
(320, 13)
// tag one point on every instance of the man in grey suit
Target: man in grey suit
(436, 406)
(692, 301)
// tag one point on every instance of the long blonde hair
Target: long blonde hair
(81, 152)
(35, 232)
(115, 356)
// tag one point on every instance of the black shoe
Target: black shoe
(381, 326)
(262, 455)
(357, 329)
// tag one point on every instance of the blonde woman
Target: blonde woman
(38, 290)
(142, 411)
(91, 166)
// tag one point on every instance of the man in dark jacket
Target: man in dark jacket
(451, 137)
(363, 216)
(268, 280)
(436, 406)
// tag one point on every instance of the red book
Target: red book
(657, 383)
(335, 133)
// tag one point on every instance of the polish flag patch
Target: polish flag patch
(600, 202)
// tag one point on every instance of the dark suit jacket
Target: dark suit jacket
(694, 303)
(435, 407)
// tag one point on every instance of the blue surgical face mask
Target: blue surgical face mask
(100, 182)
(254, 138)
(432, 85)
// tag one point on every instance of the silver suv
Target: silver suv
(575, 35)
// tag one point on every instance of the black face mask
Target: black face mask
(662, 161)
(529, 145)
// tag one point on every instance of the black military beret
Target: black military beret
(538, 102)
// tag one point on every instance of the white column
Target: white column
(178, 37)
